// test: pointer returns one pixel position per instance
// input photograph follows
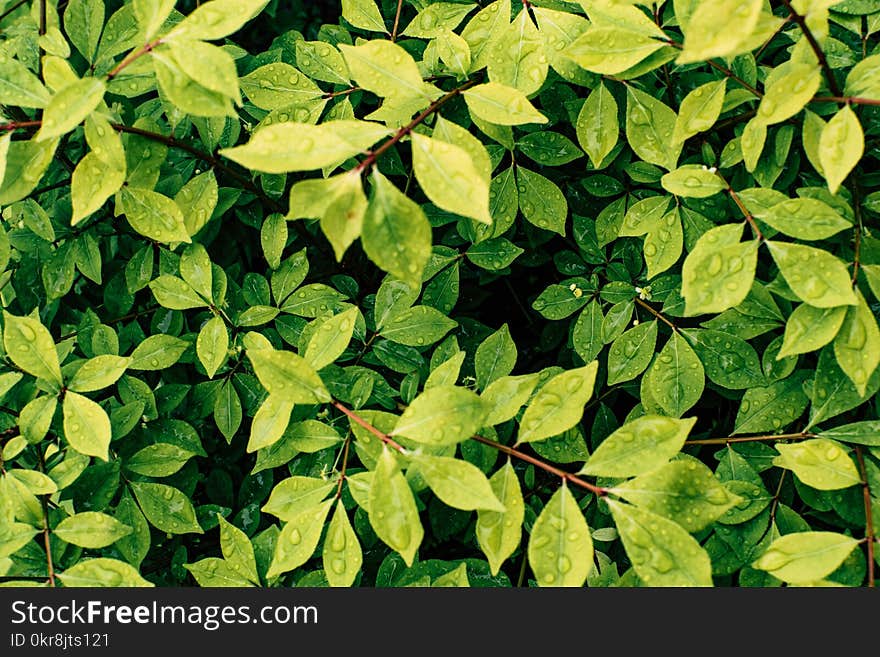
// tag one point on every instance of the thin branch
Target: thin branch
(857, 238)
(344, 465)
(370, 160)
(751, 439)
(849, 100)
(396, 20)
(18, 4)
(764, 46)
(342, 92)
(745, 212)
(522, 456)
(43, 26)
(817, 49)
(132, 56)
(385, 438)
(44, 501)
(656, 314)
(728, 73)
(869, 516)
(19, 125)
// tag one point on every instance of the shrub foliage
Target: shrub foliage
(439, 293)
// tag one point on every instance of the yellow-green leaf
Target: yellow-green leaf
(90, 529)
(393, 512)
(298, 539)
(288, 375)
(817, 277)
(442, 415)
(558, 405)
(819, 462)
(457, 483)
(342, 556)
(102, 572)
(70, 106)
(30, 346)
(560, 547)
(86, 425)
(805, 556)
(98, 373)
(841, 146)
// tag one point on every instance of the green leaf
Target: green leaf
(387, 70)
(676, 378)
(97, 373)
(449, 178)
(69, 107)
(587, 335)
(273, 238)
(494, 254)
(210, 66)
(86, 426)
(83, 22)
(30, 346)
(860, 433)
(832, 392)
(639, 446)
(363, 14)
(787, 89)
(102, 572)
(26, 162)
(214, 572)
(237, 550)
(212, 345)
(454, 52)
(841, 146)
(321, 61)
(804, 219)
(693, 181)
(166, 508)
(649, 128)
(502, 105)
(661, 552)
(171, 292)
(718, 28)
(294, 496)
(819, 462)
(542, 202)
(151, 14)
(396, 234)
(152, 215)
(505, 396)
(195, 268)
(279, 86)
(159, 460)
(436, 17)
(284, 147)
(805, 556)
(560, 547)
(484, 29)
(217, 19)
(499, 532)
(288, 375)
(20, 87)
(157, 352)
(35, 418)
(417, 326)
(631, 352)
(92, 183)
(857, 344)
(718, 272)
(197, 200)
(684, 491)
(558, 405)
(559, 30)
(699, 110)
(270, 421)
(729, 361)
(342, 556)
(443, 415)
(597, 126)
(457, 483)
(814, 275)
(90, 529)
(516, 58)
(495, 357)
(393, 514)
(611, 49)
(311, 436)
(331, 339)
(772, 407)
(298, 539)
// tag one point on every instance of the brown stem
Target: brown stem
(656, 314)
(215, 162)
(132, 56)
(751, 439)
(344, 465)
(42, 28)
(385, 438)
(396, 21)
(728, 73)
(342, 92)
(44, 501)
(763, 47)
(869, 516)
(370, 160)
(849, 100)
(857, 239)
(745, 212)
(19, 125)
(522, 456)
(817, 49)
